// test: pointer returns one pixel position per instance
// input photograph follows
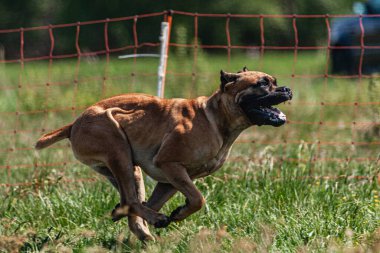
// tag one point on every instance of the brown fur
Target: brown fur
(51, 138)
(173, 140)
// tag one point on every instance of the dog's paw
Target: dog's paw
(162, 222)
(119, 212)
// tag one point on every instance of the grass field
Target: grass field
(256, 202)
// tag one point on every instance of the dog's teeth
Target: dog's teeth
(282, 116)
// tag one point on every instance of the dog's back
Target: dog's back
(132, 113)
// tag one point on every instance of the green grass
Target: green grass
(256, 202)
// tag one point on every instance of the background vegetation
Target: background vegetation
(15, 14)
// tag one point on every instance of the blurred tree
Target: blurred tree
(22, 13)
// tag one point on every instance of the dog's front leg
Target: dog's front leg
(178, 177)
(161, 194)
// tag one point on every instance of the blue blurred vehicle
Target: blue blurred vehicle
(347, 32)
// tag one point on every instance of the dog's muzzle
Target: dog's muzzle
(260, 110)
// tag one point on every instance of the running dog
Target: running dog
(174, 141)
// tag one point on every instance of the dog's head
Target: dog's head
(256, 93)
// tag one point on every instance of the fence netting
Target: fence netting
(333, 118)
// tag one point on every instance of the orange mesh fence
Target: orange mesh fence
(331, 129)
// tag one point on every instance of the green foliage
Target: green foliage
(270, 209)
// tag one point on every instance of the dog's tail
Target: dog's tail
(52, 137)
(109, 113)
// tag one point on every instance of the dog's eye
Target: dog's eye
(263, 82)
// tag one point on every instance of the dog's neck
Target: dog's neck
(226, 111)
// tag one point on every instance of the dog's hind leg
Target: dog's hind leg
(103, 170)
(137, 225)
(119, 161)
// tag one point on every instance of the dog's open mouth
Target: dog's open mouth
(260, 110)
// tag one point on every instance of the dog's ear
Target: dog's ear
(226, 78)
(245, 69)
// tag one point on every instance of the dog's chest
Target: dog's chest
(218, 161)
(215, 163)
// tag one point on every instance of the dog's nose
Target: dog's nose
(285, 89)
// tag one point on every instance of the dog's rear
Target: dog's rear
(64, 132)
(52, 137)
